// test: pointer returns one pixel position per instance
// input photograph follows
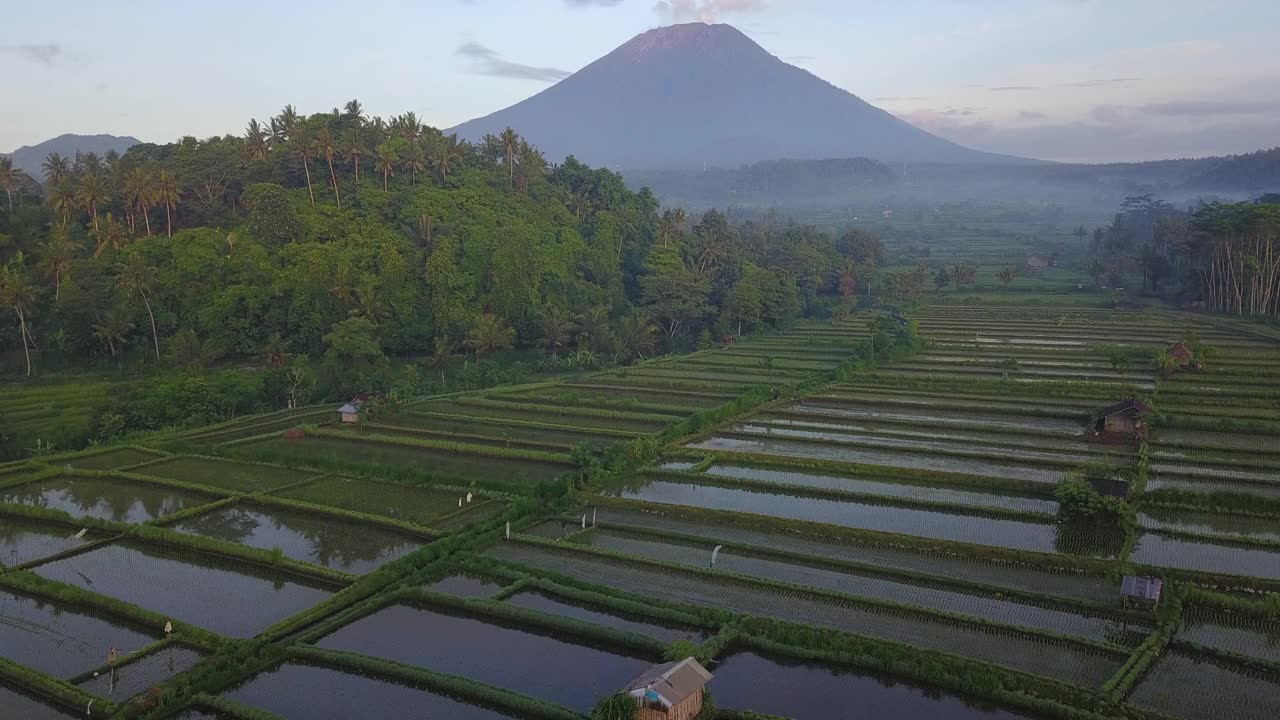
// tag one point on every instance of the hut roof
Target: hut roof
(348, 408)
(1180, 351)
(1136, 586)
(669, 683)
(1125, 406)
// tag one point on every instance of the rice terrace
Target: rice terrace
(689, 386)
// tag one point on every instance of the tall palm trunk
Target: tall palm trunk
(22, 327)
(155, 339)
(384, 181)
(357, 159)
(146, 217)
(334, 178)
(168, 218)
(93, 208)
(57, 283)
(306, 167)
(9, 192)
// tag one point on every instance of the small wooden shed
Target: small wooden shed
(671, 691)
(349, 413)
(1123, 418)
(1140, 592)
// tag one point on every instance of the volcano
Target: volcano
(698, 95)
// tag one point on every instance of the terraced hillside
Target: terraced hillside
(884, 534)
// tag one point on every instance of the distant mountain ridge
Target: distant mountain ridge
(808, 184)
(696, 95)
(28, 157)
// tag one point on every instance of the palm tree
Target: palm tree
(638, 335)
(136, 276)
(1164, 362)
(167, 193)
(370, 303)
(284, 124)
(20, 295)
(448, 152)
(63, 199)
(557, 329)
(300, 139)
(510, 142)
(112, 235)
(354, 111)
(355, 148)
(92, 193)
(59, 253)
(384, 158)
(88, 163)
(341, 290)
(326, 148)
(443, 349)
(255, 138)
(532, 165)
(847, 278)
(113, 329)
(138, 190)
(490, 334)
(274, 351)
(594, 332)
(191, 351)
(56, 169)
(414, 161)
(410, 127)
(8, 178)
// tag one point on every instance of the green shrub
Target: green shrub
(618, 706)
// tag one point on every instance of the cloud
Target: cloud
(1102, 83)
(42, 53)
(486, 61)
(707, 11)
(1109, 114)
(1207, 108)
(1013, 88)
(592, 3)
(1031, 115)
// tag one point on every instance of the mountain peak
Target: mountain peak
(692, 95)
(709, 41)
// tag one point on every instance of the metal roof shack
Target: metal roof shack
(1124, 417)
(671, 691)
(349, 413)
(1140, 591)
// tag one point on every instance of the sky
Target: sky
(1070, 80)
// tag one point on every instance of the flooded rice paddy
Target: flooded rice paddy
(891, 458)
(542, 602)
(61, 642)
(113, 499)
(752, 682)
(139, 675)
(23, 540)
(885, 488)
(1040, 537)
(306, 691)
(228, 597)
(508, 657)
(335, 543)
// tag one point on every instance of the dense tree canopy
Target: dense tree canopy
(275, 247)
